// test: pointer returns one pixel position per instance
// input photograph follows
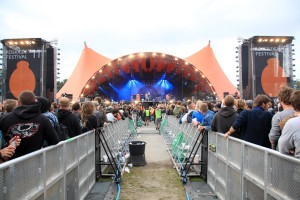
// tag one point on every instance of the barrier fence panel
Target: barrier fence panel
(182, 141)
(63, 171)
(242, 170)
(110, 141)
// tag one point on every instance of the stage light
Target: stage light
(271, 40)
(176, 58)
(93, 77)
(260, 40)
(119, 58)
(16, 42)
(100, 71)
(21, 42)
(131, 56)
(141, 54)
(203, 76)
(210, 84)
(277, 40)
(186, 63)
(196, 70)
(109, 64)
(283, 40)
(214, 93)
(87, 86)
(10, 42)
(81, 95)
(154, 54)
(33, 42)
(27, 42)
(163, 55)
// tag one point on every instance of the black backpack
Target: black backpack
(61, 130)
(190, 117)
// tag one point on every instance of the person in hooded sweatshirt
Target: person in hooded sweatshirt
(67, 118)
(225, 117)
(27, 122)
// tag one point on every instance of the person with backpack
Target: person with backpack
(67, 118)
(44, 108)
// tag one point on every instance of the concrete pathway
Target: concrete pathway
(155, 153)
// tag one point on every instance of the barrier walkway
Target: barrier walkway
(234, 168)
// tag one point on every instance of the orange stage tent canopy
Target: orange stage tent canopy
(91, 62)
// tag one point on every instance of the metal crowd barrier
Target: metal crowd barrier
(242, 170)
(116, 137)
(63, 171)
(184, 149)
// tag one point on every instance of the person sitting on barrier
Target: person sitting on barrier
(207, 118)
(289, 141)
(225, 117)
(197, 115)
(27, 123)
(284, 97)
(67, 118)
(88, 119)
(254, 124)
(191, 107)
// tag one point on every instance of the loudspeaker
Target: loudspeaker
(148, 63)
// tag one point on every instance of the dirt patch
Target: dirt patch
(154, 181)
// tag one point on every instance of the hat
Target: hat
(44, 104)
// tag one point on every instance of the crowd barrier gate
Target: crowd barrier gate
(242, 170)
(62, 171)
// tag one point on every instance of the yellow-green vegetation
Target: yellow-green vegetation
(152, 181)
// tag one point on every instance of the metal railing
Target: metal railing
(242, 170)
(110, 141)
(182, 143)
(63, 171)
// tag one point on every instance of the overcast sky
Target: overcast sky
(176, 27)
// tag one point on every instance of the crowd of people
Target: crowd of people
(32, 122)
(260, 121)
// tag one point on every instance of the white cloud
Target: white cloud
(115, 28)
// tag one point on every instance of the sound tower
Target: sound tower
(266, 64)
(28, 64)
(50, 74)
